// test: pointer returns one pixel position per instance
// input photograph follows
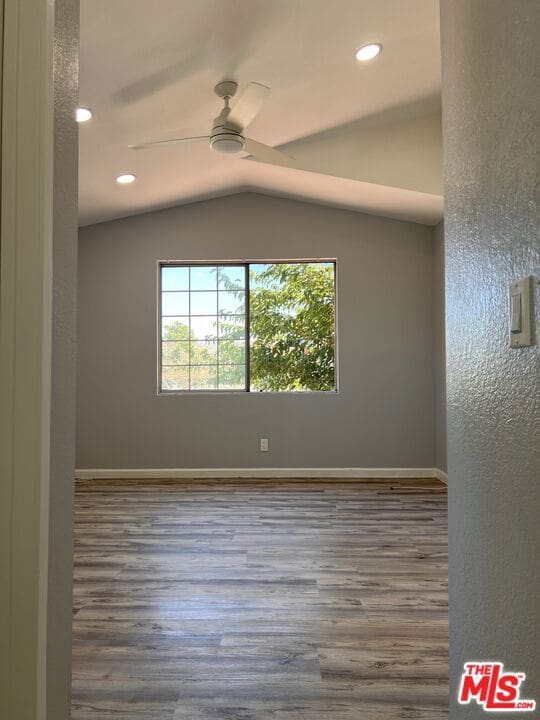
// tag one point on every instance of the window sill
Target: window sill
(299, 393)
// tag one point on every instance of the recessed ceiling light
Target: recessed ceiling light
(83, 114)
(368, 52)
(125, 179)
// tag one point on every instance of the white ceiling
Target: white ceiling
(148, 70)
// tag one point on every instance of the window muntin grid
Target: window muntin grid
(203, 327)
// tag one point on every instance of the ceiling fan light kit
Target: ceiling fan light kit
(226, 141)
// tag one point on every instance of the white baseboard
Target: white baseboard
(441, 475)
(260, 473)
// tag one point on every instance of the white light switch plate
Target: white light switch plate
(520, 313)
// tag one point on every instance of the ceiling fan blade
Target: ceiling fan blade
(156, 82)
(272, 156)
(173, 141)
(247, 106)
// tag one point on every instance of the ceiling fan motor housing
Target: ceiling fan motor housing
(224, 139)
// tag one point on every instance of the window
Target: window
(251, 327)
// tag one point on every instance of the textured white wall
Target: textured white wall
(63, 378)
(491, 111)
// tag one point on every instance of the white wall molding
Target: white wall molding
(441, 475)
(346, 473)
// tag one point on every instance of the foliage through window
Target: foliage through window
(247, 327)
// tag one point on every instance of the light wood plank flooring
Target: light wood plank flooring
(223, 601)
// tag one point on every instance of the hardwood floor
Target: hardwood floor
(224, 601)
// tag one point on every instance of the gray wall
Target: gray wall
(440, 346)
(491, 77)
(383, 415)
(64, 343)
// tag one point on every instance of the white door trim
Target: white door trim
(25, 352)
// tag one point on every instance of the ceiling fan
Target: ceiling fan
(227, 135)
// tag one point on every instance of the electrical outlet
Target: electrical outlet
(264, 444)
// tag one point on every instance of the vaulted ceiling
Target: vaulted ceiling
(367, 134)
